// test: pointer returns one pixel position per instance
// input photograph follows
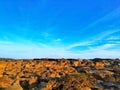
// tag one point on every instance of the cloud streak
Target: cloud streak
(110, 16)
(14, 50)
(96, 38)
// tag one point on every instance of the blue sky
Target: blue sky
(60, 28)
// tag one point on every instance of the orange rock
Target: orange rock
(99, 64)
(76, 63)
(15, 86)
(33, 80)
(4, 82)
(1, 75)
(2, 66)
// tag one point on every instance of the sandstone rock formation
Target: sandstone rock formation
(59, 74)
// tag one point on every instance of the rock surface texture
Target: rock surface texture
(60, 74)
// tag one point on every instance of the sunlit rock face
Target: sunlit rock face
(59, 74)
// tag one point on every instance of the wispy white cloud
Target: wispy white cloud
(109, 16)
(29, 50)
(102, 47)
(96, 38)
(14, 50)
(78, 44)
(113, 38)
(100, 51)
(58, 40)
(100, 54)
(100, 35)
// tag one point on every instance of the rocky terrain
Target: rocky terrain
(60, 74)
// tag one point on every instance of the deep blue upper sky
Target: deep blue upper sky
(60, 28)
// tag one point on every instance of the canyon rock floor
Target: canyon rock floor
(60, 74)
